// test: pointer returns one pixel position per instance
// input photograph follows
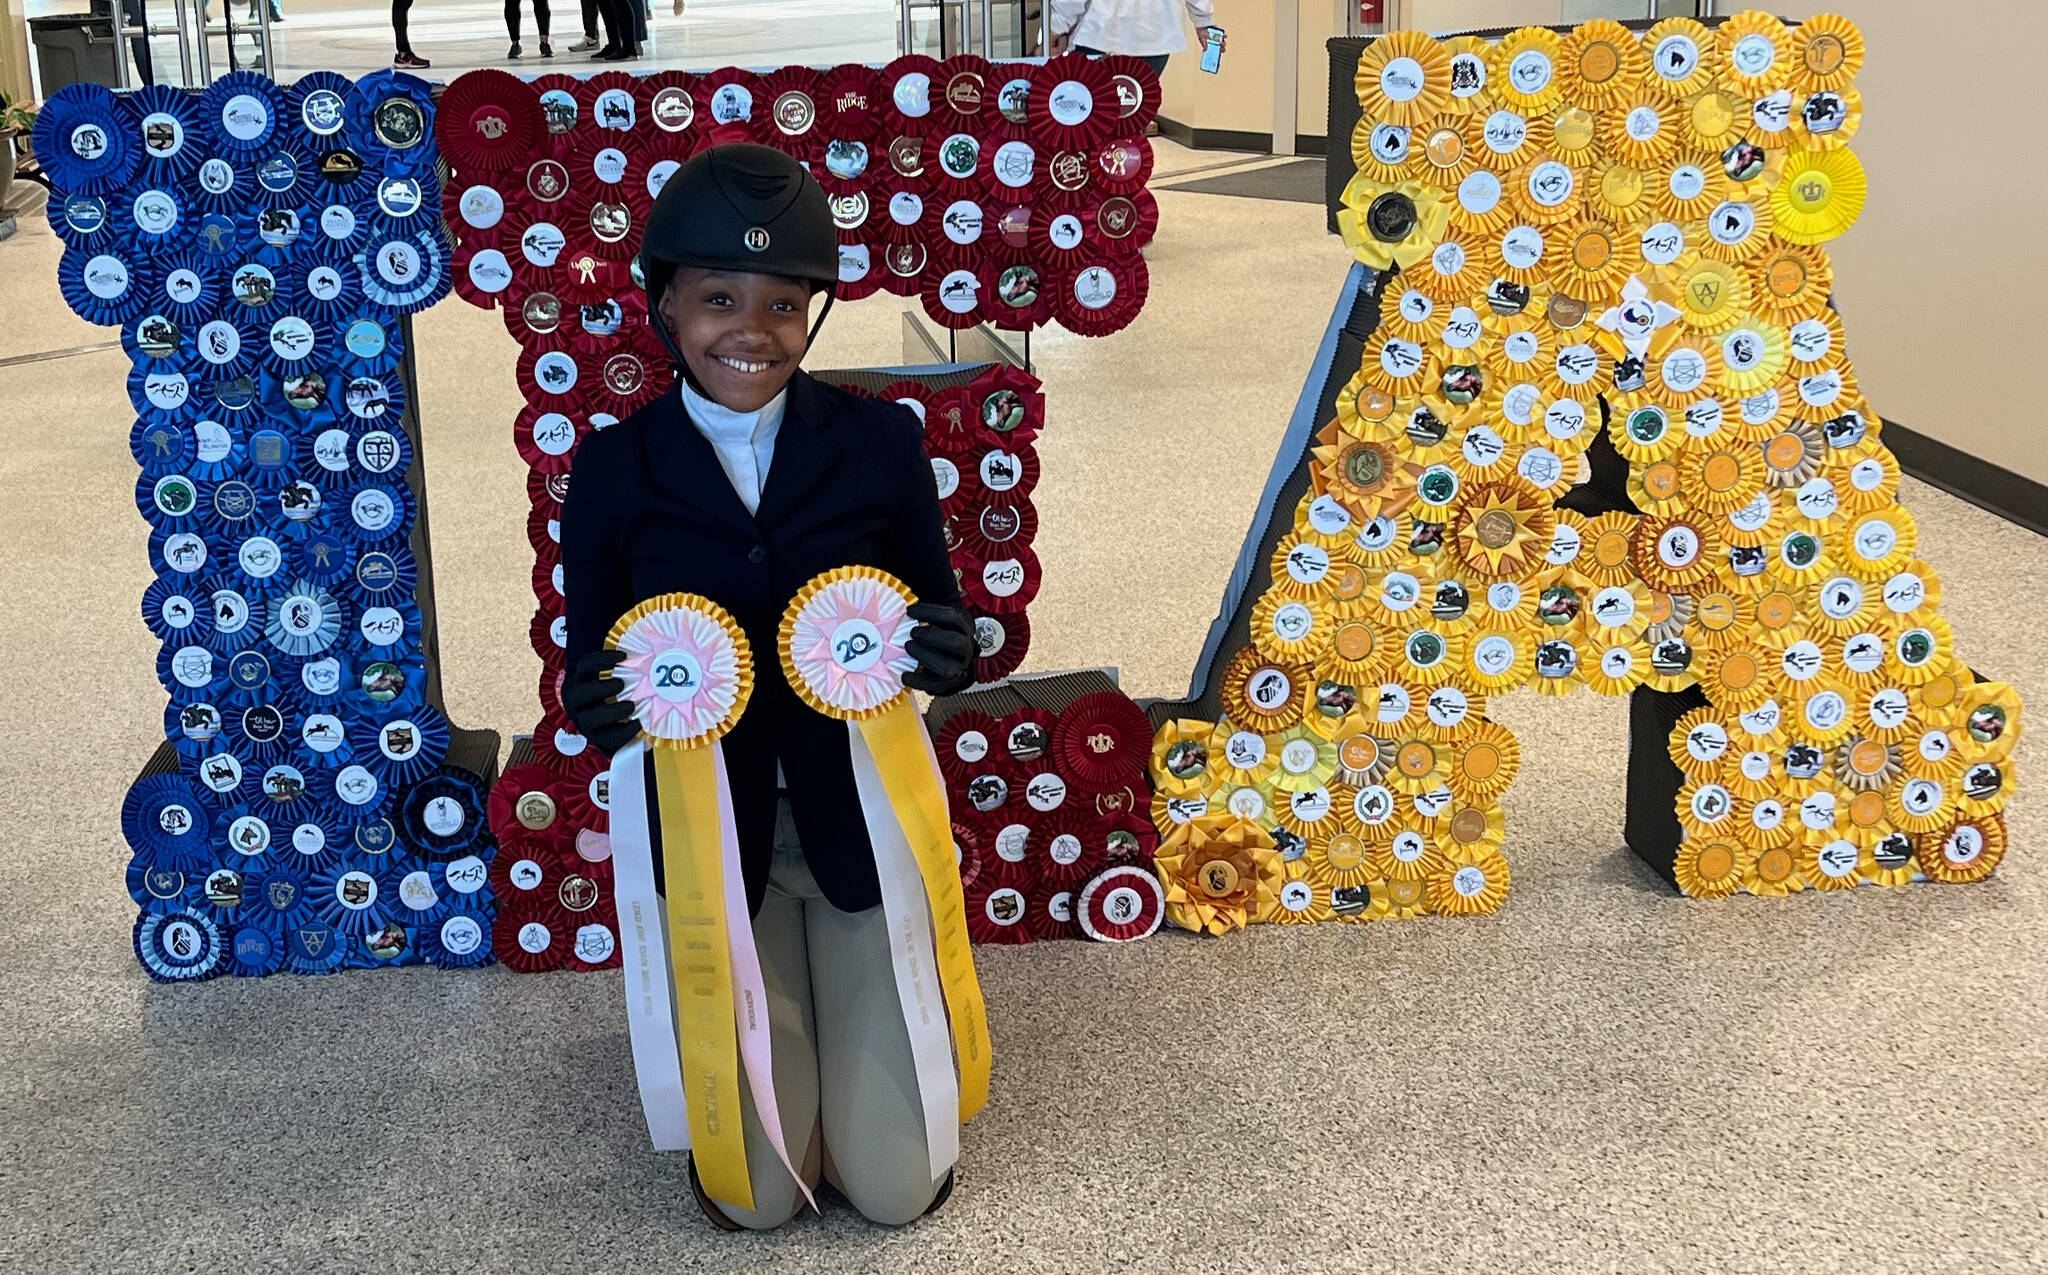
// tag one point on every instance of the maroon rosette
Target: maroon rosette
(1137, 92)
(547, 634)
(731, 97)
(601, 326)
(1012, 169)
(1001, 586)
(965, 744)
(584, 275)
(906, 266)
(906, 207)
(547, 583)
(998, 912)
(628, 379)
(551, 489)
(1122, 223)
(1008, 471)
(1128, 838)
(532, 935)
(970, 846)
(1103, 741)
(851, 104)
(476, 211)
(1079, 106)
(997, 527)
(1010, 405)
(788, 116)
(608, 102)
(668, 102)
(525, 806)
(1025, 746)
(1018, 290)
(586, 792)
(555, 377)
(533, 318)
(967, 91)
(1000, 641)
(485, 277)
(952, 292)
(860, 269)
(911, 86)
(543, 245)
(560, 109)
(1120, 904)
(1016, 101)
(1122, 165)
(1052, 916)
(557, 746)
(1067, 848)
(949, 423)
(1011, 227)
(544, 528)
(1102, 296)
(1012, 844)
(988, 794)
(488, 122)
(546, 438)
(956, 165)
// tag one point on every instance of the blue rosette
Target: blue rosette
(313, 838)
(420, 897)
(172, 502)
(382, 577)
(352, 896)
(328, 739)
(161, 391)
(189, 670)
(219, 446)
(278, 235)
(324, 558)
(279, 896)
(107, 285)
(325, 455)
(160, 887)
(288, 178)
(325, 287)
(384, 684)
(179, 555)
(343, 223)
(237, 618)
(235, 396)
(255, 676)
(233, 510)
(317, 106)
(354, 793)
(392, 945)
(305, 619)
(298, 506)
(80, 220)
(376, 838)
(389, 631)
(176, 612)
(154, 336)
(406, 202)
(160, 447)
(169, 818)
(169, 129)
(246, 112)
(179, 947)
(254, 952)
(81, 142)
(382, 452)
(377, 514)
(410, 744)
(262, 734)
(221, 893)
(460, 940)
(373, 399)
(191, 289)
(228, 345)
(246, 838)
(391, 121)
(307, 397)
(314, 946)
(222, 186)
(221, 773)
(256, 290)
(154, 218)
(443, 814)
(368, 343)
(326, 682)
(192, 722)
(407, 271)
(256, 568)
(214, 233)
(467, 877)
(295, 344)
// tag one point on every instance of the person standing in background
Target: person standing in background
(540, 20)
(405, 58)
(1148, 30)
(620, 42)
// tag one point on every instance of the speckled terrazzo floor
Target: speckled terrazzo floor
(1599, 1078)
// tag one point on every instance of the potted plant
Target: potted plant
(17, 125)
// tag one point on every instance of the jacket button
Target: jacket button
(758, 554)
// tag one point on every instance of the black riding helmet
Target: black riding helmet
(739, 207)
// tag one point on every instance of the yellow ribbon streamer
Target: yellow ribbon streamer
(902, 755)
(686, 786)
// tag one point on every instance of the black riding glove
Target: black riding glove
(587, 693)
(943, 646)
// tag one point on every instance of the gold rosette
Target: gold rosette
(1183, 758)
(1891, 861)
(1600, 64)
(1474, 830)
(1967, 852)
(1363, 408)
(1618, 192)
(1524, 73)
(1642, 133)
(1687, 188)
(1219, 875)
(1264, 695)
(1921, 650)
(1391, 225)
(1880, 543)
(1820, 195)
(1720, 478)
(1364, 475)
(1802, 558)
(1789, 281)
(1546, 190)
(1404, 78)
(1402, 368)
(1428, 658)
(1575, 136)
(1985, 788)
(1386, 153)
(1480, 204)
(1290, 630)
(1595, 258)
(1406, 899)
(1501, 530)
(1919, 805)
(1985, 719)
(1339, 861)
(1683, 55)
(1721, 617)
(1310, 813)
(1304, 760)
(1446, 156)
(1409, 854)
(1713, 295)
(1472, 883)
(1827, 52)
(1673, 554)
(1737, 228)
(1755, 53)
(1301, 568)
(1774, 873)
(1711, 867)
(1470, 56)
(1242, 758)
(1358, 652)
(1303, 901)
(1832, 864)
(1170, 811)
(1700, 743)
(1521, 253)
(1643, 430)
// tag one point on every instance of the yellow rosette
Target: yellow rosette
(1404, 78)
(1391, 225)
(1712, 867)
(687, 672)
(1473, 883)
(1967, 852)
(1220, 874)
(1827, 52)
(842, 642)
(1820, 196)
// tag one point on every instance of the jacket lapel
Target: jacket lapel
(680, 462)
(804, 453)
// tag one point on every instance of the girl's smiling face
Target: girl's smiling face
(741, 334)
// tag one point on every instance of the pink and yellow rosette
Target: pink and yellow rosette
(688, 673)
(842, 643)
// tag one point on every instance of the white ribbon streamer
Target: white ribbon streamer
(914, 957)
(650, 1004)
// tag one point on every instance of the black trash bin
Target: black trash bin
(73, 48)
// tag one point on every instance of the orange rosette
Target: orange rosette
(1262, 695)
(1789, 281)
(1220, 874)
(1712, 867)
(1827, 52)
(1594, 258)
(1967, 852)
(1472, 883)
(1600, 64)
